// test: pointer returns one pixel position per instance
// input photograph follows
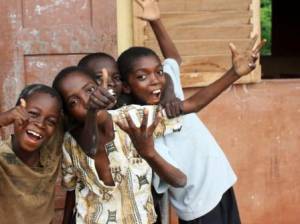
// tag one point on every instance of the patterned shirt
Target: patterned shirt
(129, 201)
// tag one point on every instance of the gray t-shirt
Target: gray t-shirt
(196, 153)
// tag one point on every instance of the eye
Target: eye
(33, 114)
(161, 72)
(117, 77)
(73, 102)
(52, 122)
(141, 77)
(91, 89)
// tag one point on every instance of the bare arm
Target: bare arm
(91, 140)
(69, 207)
(151, 13)
(142, 139)
(242, 64)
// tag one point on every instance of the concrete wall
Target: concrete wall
(258, 128)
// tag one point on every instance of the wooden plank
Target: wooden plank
(199, 5)
(206, 63)
(204, 32)
(190, 80)
(216, 18)
(202, 47)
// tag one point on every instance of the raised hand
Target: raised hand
(141, 137)
(17, 115)
(243, 62)
(101, 98)
(150, 8)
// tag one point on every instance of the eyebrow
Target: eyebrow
(143, 69)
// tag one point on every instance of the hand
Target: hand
(142, 137)
(101, 98)
(244, 62)
(173, 108)
(17, 115)
(150, 8)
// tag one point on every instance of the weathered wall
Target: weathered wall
(258, 128)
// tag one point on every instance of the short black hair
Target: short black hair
(127, 59)
(39, 88)
(84, 62)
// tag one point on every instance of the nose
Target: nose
(39, 122)
(110, 82)
(154, 79)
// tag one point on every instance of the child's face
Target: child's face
(147, 81)
(114, 81)
(44, 113)
(76, 89)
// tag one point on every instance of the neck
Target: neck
(31, 159)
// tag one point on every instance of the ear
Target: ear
(126, 88)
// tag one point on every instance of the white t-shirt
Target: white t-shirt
(198, 155)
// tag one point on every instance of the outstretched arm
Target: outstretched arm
(151, 13)
(142, 139)
(89, 138)
(242, 64)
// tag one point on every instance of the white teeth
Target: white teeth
(34, 134)
(156, 91)
(112, 92)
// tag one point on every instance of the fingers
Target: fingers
(23, 103)
(104, 78)
(101, 99)
(156, 121)
(257, 49)
(130, 122)
(144, 120)
(252, 42)
(122, 125)
(233, 50)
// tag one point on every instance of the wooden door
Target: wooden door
(40, 37)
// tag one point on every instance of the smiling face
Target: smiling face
(146, 82)
(76, 89)
(114, 81)
(44, 113)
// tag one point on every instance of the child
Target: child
(208, 196)
(30, 158)
(113, 185)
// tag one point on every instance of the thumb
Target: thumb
(233, 49)
(23, 103)
(104, 78)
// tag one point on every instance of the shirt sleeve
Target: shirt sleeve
(69, 178)
(159, 185)
(171, 67)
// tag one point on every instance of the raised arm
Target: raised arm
(142, 139)
(242, 64)
(151, 13)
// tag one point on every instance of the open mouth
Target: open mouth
(33, 135)
(156, 93)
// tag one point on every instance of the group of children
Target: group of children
(123, 134)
